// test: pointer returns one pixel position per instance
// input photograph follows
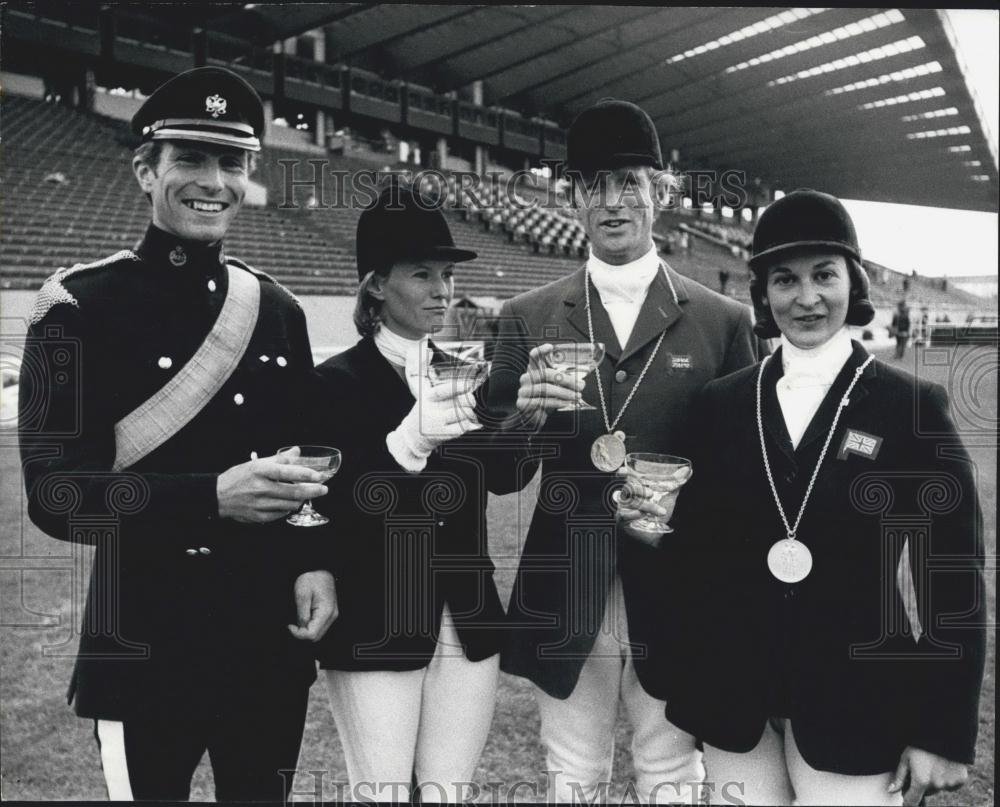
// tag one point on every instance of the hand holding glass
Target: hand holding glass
(662, 475)
(576, 360)
(326, 461)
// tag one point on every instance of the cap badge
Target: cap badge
(215, 105)
(178, 257)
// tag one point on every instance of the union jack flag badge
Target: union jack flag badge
(860, 443)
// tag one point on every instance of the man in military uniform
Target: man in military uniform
(579, 610)
(157, 386)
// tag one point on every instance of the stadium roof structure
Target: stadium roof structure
(868, 104)
(865, 103)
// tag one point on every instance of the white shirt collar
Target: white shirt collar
(413, 355)
(817, 365)
(394, 347)
(627, 282)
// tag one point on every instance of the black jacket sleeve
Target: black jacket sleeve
(745, 348)
(310, 552)
(513, 460)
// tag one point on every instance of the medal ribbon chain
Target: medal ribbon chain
(597, 375)
(791, 530)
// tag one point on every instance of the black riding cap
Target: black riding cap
(401, 226)
(612, 134)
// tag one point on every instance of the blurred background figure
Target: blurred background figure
(899, 328)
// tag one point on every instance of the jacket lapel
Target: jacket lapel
(658, 312)
(819, 426)
(575, 304)
(389, 387)
(774, 421)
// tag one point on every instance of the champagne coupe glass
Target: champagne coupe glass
(663, 474)
(324, 459)
(457, 377)
(463, 366)
(462, 375)
(576, 359)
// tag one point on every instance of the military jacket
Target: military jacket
(181, 603)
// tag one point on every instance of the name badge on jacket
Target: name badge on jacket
(860, 443)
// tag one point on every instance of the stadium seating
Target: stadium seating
(97, 209)
(70, 196)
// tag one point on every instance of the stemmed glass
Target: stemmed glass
(463, 375)
(455, 376)
(663, 474)
(464, 367)
(576, 359)
(324, 459)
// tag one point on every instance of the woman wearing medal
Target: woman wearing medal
(411, 664)
(829, 549)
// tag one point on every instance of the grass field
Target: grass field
(47, 753)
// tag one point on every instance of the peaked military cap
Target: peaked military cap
(400, 226)
(206, 104)
(612, 134)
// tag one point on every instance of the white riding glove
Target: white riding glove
(437, 416)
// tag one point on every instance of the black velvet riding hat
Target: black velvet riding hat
(612, 134)
(401, 226)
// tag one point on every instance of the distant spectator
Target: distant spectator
(900, 327)
(922, 329)
(723, 280)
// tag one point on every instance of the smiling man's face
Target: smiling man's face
(196, 188)
(617, 211)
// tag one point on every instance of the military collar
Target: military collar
(164, 249)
